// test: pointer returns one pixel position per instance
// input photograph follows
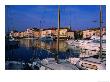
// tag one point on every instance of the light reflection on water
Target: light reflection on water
(31, 47)
(44, 45)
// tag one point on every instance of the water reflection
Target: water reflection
(30, 48)
(44, 45)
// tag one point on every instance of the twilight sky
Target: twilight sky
(80, 17)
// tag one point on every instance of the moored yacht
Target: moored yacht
(93, 44)
(88, 63)
(47, 38)
(50, 63)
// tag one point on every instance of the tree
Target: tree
(78, 34)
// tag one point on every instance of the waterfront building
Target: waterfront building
(29, 32)
(103, 31)
(49, 31)
(24, 34)
(43, 33)
(62, 33)
(88, 33)
(11, 34)
(94, 31)
(70, 34)
(36, 33)
(21, 34)
(14, 34)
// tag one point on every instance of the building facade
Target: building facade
(64, 33)
(70, 34)
(88, 33)
(96, 31)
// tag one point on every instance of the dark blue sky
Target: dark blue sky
(80, 17)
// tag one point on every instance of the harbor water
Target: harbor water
(29, 48)
(31, 52)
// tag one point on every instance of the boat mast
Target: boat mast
(58, 26)
(100, 32)
(70, 21)
(58, 33)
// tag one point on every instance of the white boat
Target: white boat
(88, 63)
(93, 44)
(29, 38)
(46, 38)
(88, 48)
(50, 63)
(91, 63)
(77, 43)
